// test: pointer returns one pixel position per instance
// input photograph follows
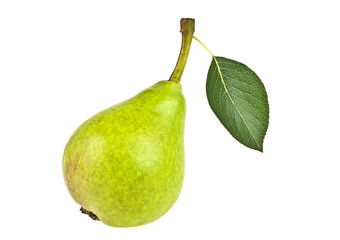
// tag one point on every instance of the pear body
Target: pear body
(126, 163)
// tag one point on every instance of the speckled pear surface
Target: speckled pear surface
(126, 163)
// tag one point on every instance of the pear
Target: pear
(125, 165)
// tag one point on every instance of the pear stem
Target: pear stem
(187, 29)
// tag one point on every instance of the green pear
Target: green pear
(125, 165)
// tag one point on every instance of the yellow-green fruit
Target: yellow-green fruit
(126, 163)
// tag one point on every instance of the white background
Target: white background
(62, 61)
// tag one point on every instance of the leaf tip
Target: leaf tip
(260, 149)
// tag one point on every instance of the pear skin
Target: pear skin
(126, 163)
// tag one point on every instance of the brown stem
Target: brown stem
(91, 214)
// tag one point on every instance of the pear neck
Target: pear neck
(187, 30)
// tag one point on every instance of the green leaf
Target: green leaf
(239, 100)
